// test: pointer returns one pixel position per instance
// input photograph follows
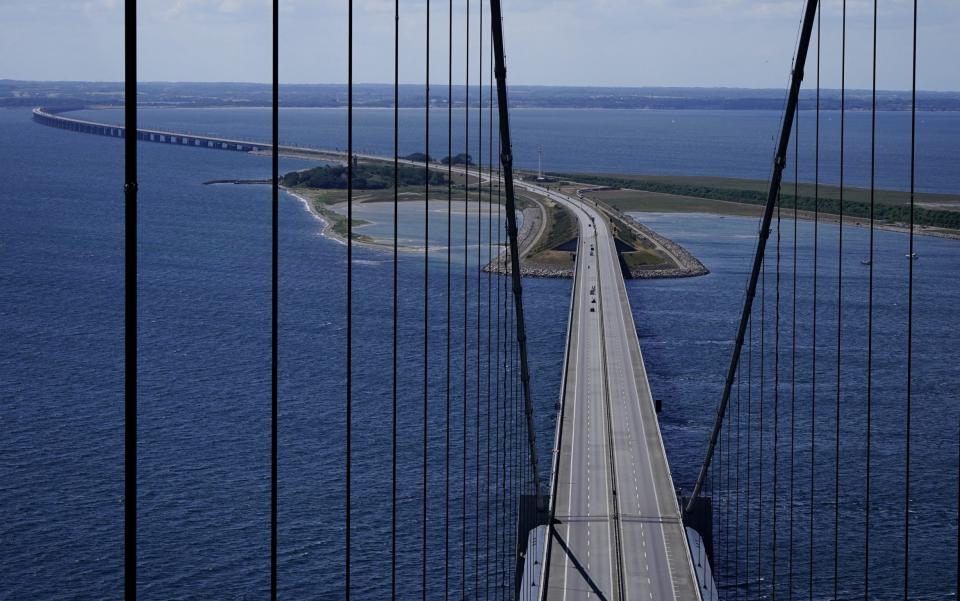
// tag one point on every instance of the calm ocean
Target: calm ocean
(205, 349)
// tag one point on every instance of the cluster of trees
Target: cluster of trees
(460, 159)
(365, 177)
(418, 157)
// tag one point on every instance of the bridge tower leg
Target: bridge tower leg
(533, 513)
(698, 516)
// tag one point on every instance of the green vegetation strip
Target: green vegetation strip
(560, 228)
(892, 206)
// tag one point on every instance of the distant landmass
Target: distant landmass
(81, 94)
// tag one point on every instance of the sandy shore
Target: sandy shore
(328, 231)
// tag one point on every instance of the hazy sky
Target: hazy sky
(741, 43)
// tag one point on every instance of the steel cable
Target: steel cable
(426, 307)
(836, 485)
(446, 521)
(396, 296)
(477, 470)
(489, 317)
(793, 348)
(813, 342)
(909, 374)
(762, 391)
(749, 466)
(869, 416)
(349, 358)
(466, 293)
(130, 285)
(776, 408)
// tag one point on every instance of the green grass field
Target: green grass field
(560, 227)
(739, 197)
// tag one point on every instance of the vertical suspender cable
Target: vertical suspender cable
(498, 445)
(396, 289)
(446, 520)
(130, 302)
(426, 310)
(466, 289)
(793, 347)
(836, 483)
(776, 409)
(274, 301)
(490, 338)
(909, 399)
(813, 325)
(349, 358)
(512, 418)
(736, 543)
(869, 417)
(763, 365)
(749, 499)
(518, 448)
(727, 502)
(489, 331)
(714, 524)
(476, 513)
(508, 432)
(501, 308)
(779, 164)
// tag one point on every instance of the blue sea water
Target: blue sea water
(205, 344)
(686, 329)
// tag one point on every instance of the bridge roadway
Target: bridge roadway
(618, 533)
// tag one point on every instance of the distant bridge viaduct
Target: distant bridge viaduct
(54, 119)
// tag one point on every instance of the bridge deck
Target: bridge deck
(618, 533)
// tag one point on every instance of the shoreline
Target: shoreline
(327, 231)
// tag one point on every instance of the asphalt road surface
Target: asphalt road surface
(617, 533)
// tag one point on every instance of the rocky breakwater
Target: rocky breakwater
(686, 265)
(530, 230)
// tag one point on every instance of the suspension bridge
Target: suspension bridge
(610, 522)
